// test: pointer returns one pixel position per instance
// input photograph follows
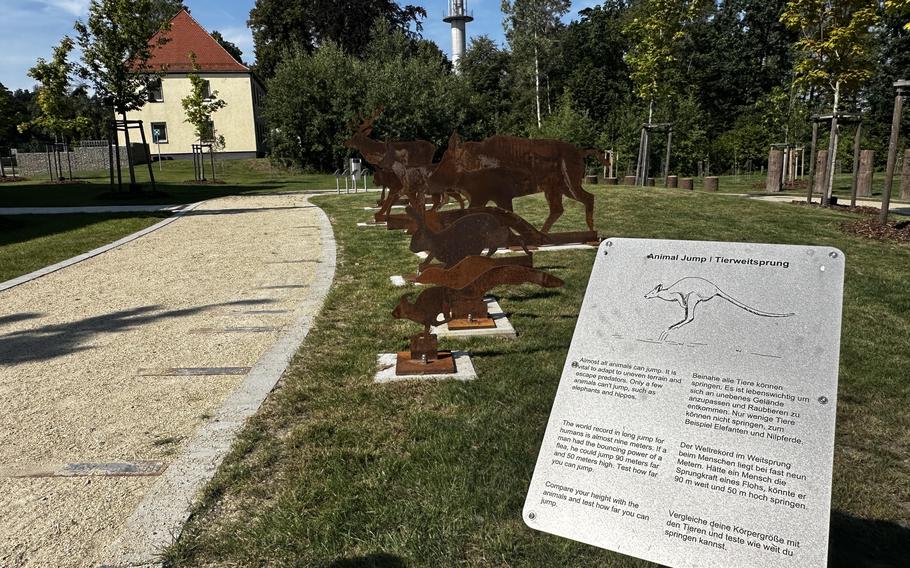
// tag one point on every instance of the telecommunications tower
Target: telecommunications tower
(458, 16)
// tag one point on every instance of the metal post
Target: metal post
(148, 159)
(856, 144)
(638, 164)
(117, 151)
(812, 159)
(129, 153)
(50, 169)
(903, 87)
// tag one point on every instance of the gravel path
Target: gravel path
(86, 353)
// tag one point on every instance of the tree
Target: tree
(283, 27)
(200, 105)
(7, 115)
(228, 46)
(486, 73)
(657, 29)
(834, 52)
(569, 124)
(591, 65)
(53, 95)
(116, 47)
(530, 27)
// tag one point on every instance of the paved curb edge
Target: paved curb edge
(159, 518)
(95, 252)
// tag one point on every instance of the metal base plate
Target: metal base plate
(476, 323)
(443, 365)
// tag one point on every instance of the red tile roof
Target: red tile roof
(185, 36)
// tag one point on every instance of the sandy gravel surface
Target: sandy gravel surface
(72, 343)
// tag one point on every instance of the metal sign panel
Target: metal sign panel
(694, 421)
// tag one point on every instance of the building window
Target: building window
(155, 92)
(206, 89)
(208, 132)
(159, 133)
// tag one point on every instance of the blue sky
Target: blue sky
(32, 27)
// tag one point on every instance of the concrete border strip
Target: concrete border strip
(100, 250)
(159, 519)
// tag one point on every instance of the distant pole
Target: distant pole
(812, 159)
(856, 149)
(903, 87)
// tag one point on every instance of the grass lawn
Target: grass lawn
(335, 471)
(241, 176)
(755, 185)
(30, 242)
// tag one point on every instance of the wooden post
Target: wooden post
(864, 176)
(902, 88)
(667, 159)
(828, 188)
(905, 176)
(711, 183)
(646, 157)
(775, 164)
(686, 183)
(630, 180)
(812, 161)
(856, 151)
(672, 181)
(821, 173)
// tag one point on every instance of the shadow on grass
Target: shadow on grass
(57, 340)
(20, 228)
(72, 195)
(381, 560)
(867, 543)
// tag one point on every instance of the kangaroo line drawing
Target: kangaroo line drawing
(691, 291)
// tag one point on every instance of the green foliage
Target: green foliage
(200, 105)
(285, 27)
(228, 46)
(591, 65)
(835, 44)
(53, 95)
(531, 27)
(115, 44)
(487, 73)
(569, 124)
(7, 116)
(657, 28)
(314, 98)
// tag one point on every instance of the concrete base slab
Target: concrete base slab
(371, 225)
(464, 370)
(503, 326)
(544, 248)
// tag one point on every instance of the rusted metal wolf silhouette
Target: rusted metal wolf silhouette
(502, 168)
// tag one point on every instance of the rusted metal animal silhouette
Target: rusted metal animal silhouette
(465, 236)
(474, 279)
(478, 274)
(426, 309)
(391, 160)
(502, 168)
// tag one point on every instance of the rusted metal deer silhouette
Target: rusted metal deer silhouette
(403, 167)
(502, 168)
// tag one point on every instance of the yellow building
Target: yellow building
(240, 122)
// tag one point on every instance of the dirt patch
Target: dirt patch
(205, 182)
(870, 228)
(12, 179)
(861, 210)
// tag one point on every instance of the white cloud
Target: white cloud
(73, 7)
(242, 37)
